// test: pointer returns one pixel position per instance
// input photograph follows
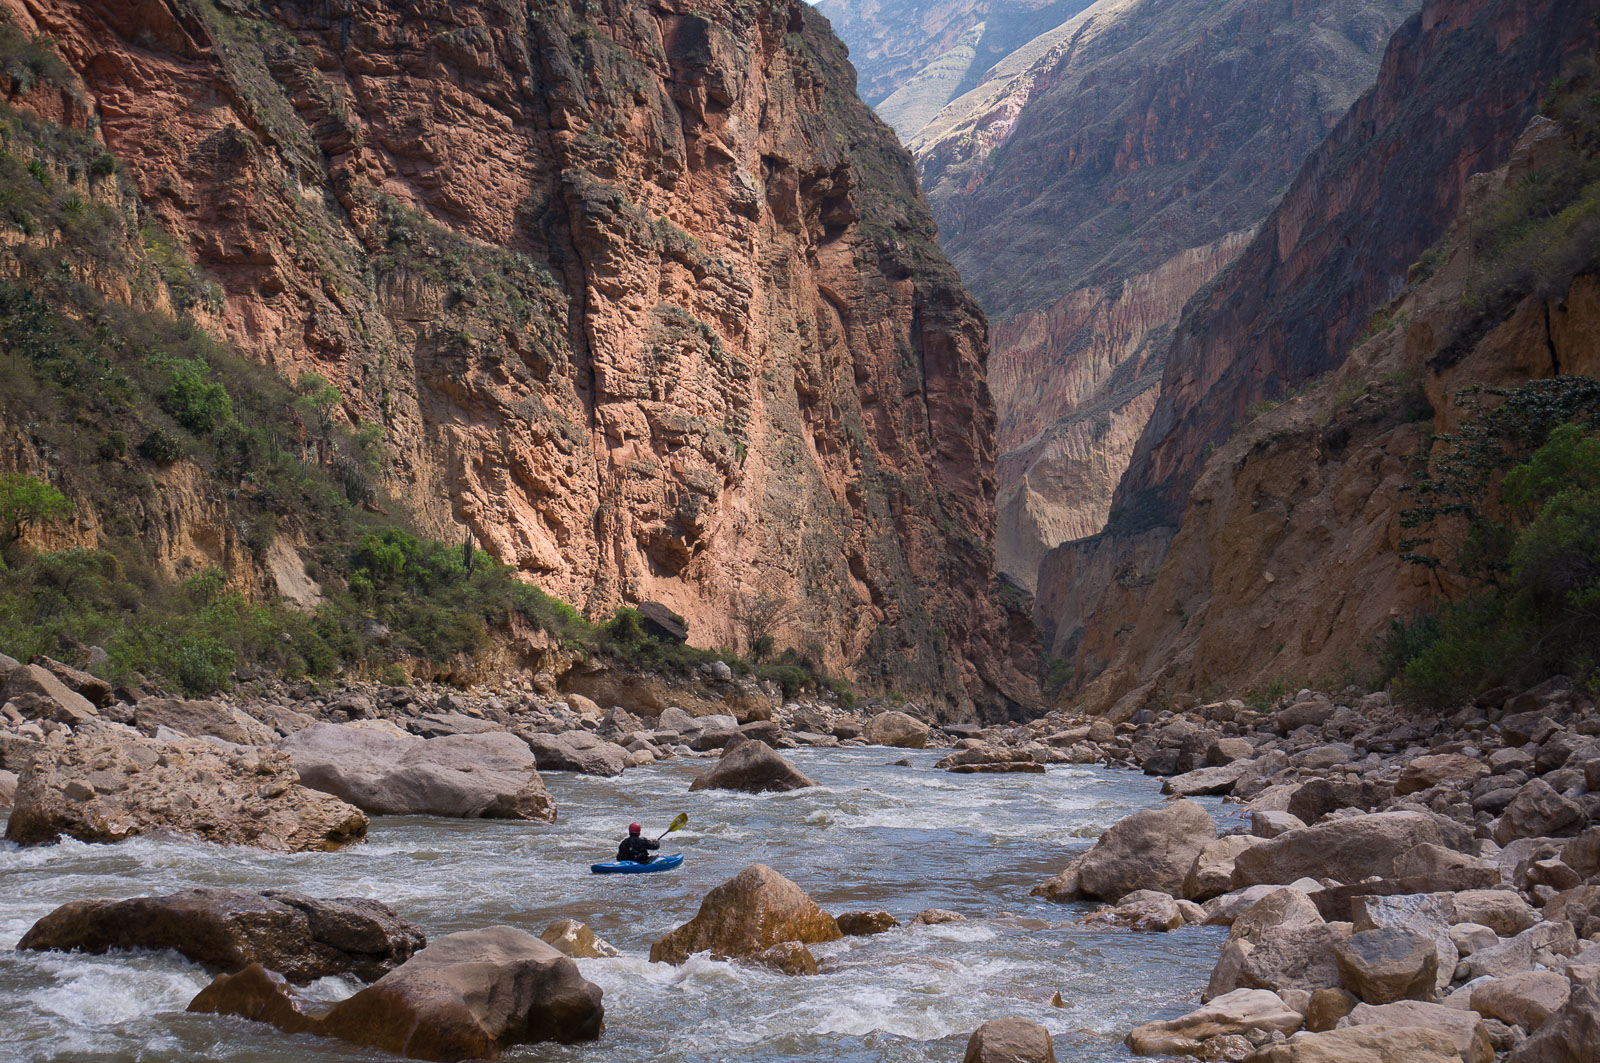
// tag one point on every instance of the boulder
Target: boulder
(1364, 1044)
(490, 775)
(861, 924)
(1310, 713)
(1465, 1028)
(1424, 773)
(578, 751)
(8, 790)
(1428, 914)
(1537, 812)
(1429, 859)
(107, 787)
(1009, 1040)
(897, 729)
(1387, 964)
(747, 914)
(1327, 1006)
(1524, 999)
(1542, 942)
(1579, 906)
(196, 719)
(662, 623)
(936, 917)
(1212, 872)
(1153, 849)
(302, 938)
(1345, 850)
(1227, 750)
(1279, 943)
(575, 939)
(469, 995)
(1317, 797)
(1269, 823)
(752, 767)
(1241, 1012)
(1205, 780)
(96, 690)
(1567, 1036)
(1142, 910)
(40, 695)
(787, 957)
(1502, 911)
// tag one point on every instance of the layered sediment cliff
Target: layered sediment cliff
(637, 293)
(1284, 562)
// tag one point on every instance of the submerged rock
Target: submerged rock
(466, 996)
(575, 939)
(302, 938)
(753, 767)
(490, 775)
(748, 914)
(861, 924)
(105, 788)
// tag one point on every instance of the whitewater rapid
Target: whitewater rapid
(870, 835)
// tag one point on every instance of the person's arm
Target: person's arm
(651, 844)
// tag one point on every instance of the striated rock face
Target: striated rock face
(1090, 183)
(638, 293)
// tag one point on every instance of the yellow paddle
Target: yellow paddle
(677, 824)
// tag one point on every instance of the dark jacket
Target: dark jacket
(636, 848)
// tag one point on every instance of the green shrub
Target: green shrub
(25, 502)
(190, 398)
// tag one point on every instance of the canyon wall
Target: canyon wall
(1092, 183)
(1244, 544)
(638, 294)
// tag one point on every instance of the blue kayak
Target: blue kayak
(628, 867)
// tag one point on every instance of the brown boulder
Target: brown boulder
(1524, 999)
(1212, 872)
(1537, 811)
(1466, 1028)
(575, 939)
(1280, 942)
(1424, 773)
(751, 912)
(196, 719)
(1241, 1012)
(578, 751)
(40, 695)
(861, 924)
(1153, 849)
(752, 767)
(99, 788)
(1010, 1040)
(787, 957)
(92, 687)
(1388, 964)
(1570, 1035)
(1346, 850)
(302, 938)
(467, 996)
(897, 729)
(1364, 1044)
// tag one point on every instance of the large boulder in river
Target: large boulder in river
(466, 996)
(1010, 1040)
(1153, 849)
(490, 775)
(746, 915)
(302, 938)
(897, 729)
(114, 784)
(577, 751)
(197, 719)
(752, 767)
(1345, 850)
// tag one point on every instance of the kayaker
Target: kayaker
(635, 847)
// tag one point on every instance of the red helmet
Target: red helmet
(634, 828)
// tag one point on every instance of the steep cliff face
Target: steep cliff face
(1094, 181)
(1284, 563)
(637, 293)
(936, 49)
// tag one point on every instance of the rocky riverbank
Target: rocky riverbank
(1406, 885)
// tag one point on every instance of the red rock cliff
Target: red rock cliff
(639, 293)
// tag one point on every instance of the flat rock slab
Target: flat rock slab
(491, 775)
(302, 938)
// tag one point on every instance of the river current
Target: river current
(870, 835)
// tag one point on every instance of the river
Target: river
(870, 835)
